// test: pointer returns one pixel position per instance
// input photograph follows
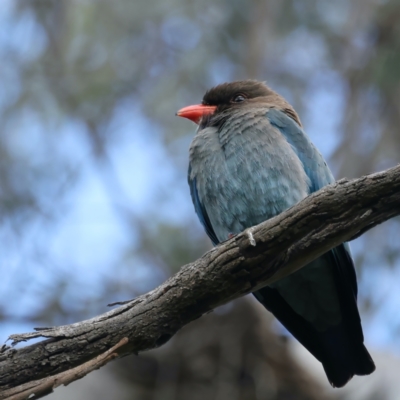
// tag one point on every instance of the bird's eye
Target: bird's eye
(239, 98)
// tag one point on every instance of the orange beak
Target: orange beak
(196, 112)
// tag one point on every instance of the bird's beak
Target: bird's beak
(196, 112)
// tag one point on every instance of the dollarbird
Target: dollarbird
(249, 161)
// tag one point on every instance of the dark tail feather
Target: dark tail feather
(340, 354)
(365, 364)
(343, 359)
(339, 370)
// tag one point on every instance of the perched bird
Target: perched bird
(249, 161)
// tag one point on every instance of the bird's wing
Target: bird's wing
(319, 174)
(200, 210)
(314, 164)
(340, 348)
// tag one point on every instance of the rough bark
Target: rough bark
(254, 258)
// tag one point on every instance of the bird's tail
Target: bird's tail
(341, 354)
(341, 359)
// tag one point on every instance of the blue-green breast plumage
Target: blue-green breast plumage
(245, 173)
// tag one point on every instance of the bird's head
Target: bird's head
(227, 96)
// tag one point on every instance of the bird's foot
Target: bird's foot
(249, 234)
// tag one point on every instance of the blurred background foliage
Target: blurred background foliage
(94, 202)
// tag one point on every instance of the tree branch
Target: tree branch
(257, 257)
(45, 386)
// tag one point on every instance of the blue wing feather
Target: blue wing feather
(319, 174)
(314, 164)
(348, 355)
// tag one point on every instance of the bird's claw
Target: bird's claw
(250, 236)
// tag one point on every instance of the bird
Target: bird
(249, 161)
